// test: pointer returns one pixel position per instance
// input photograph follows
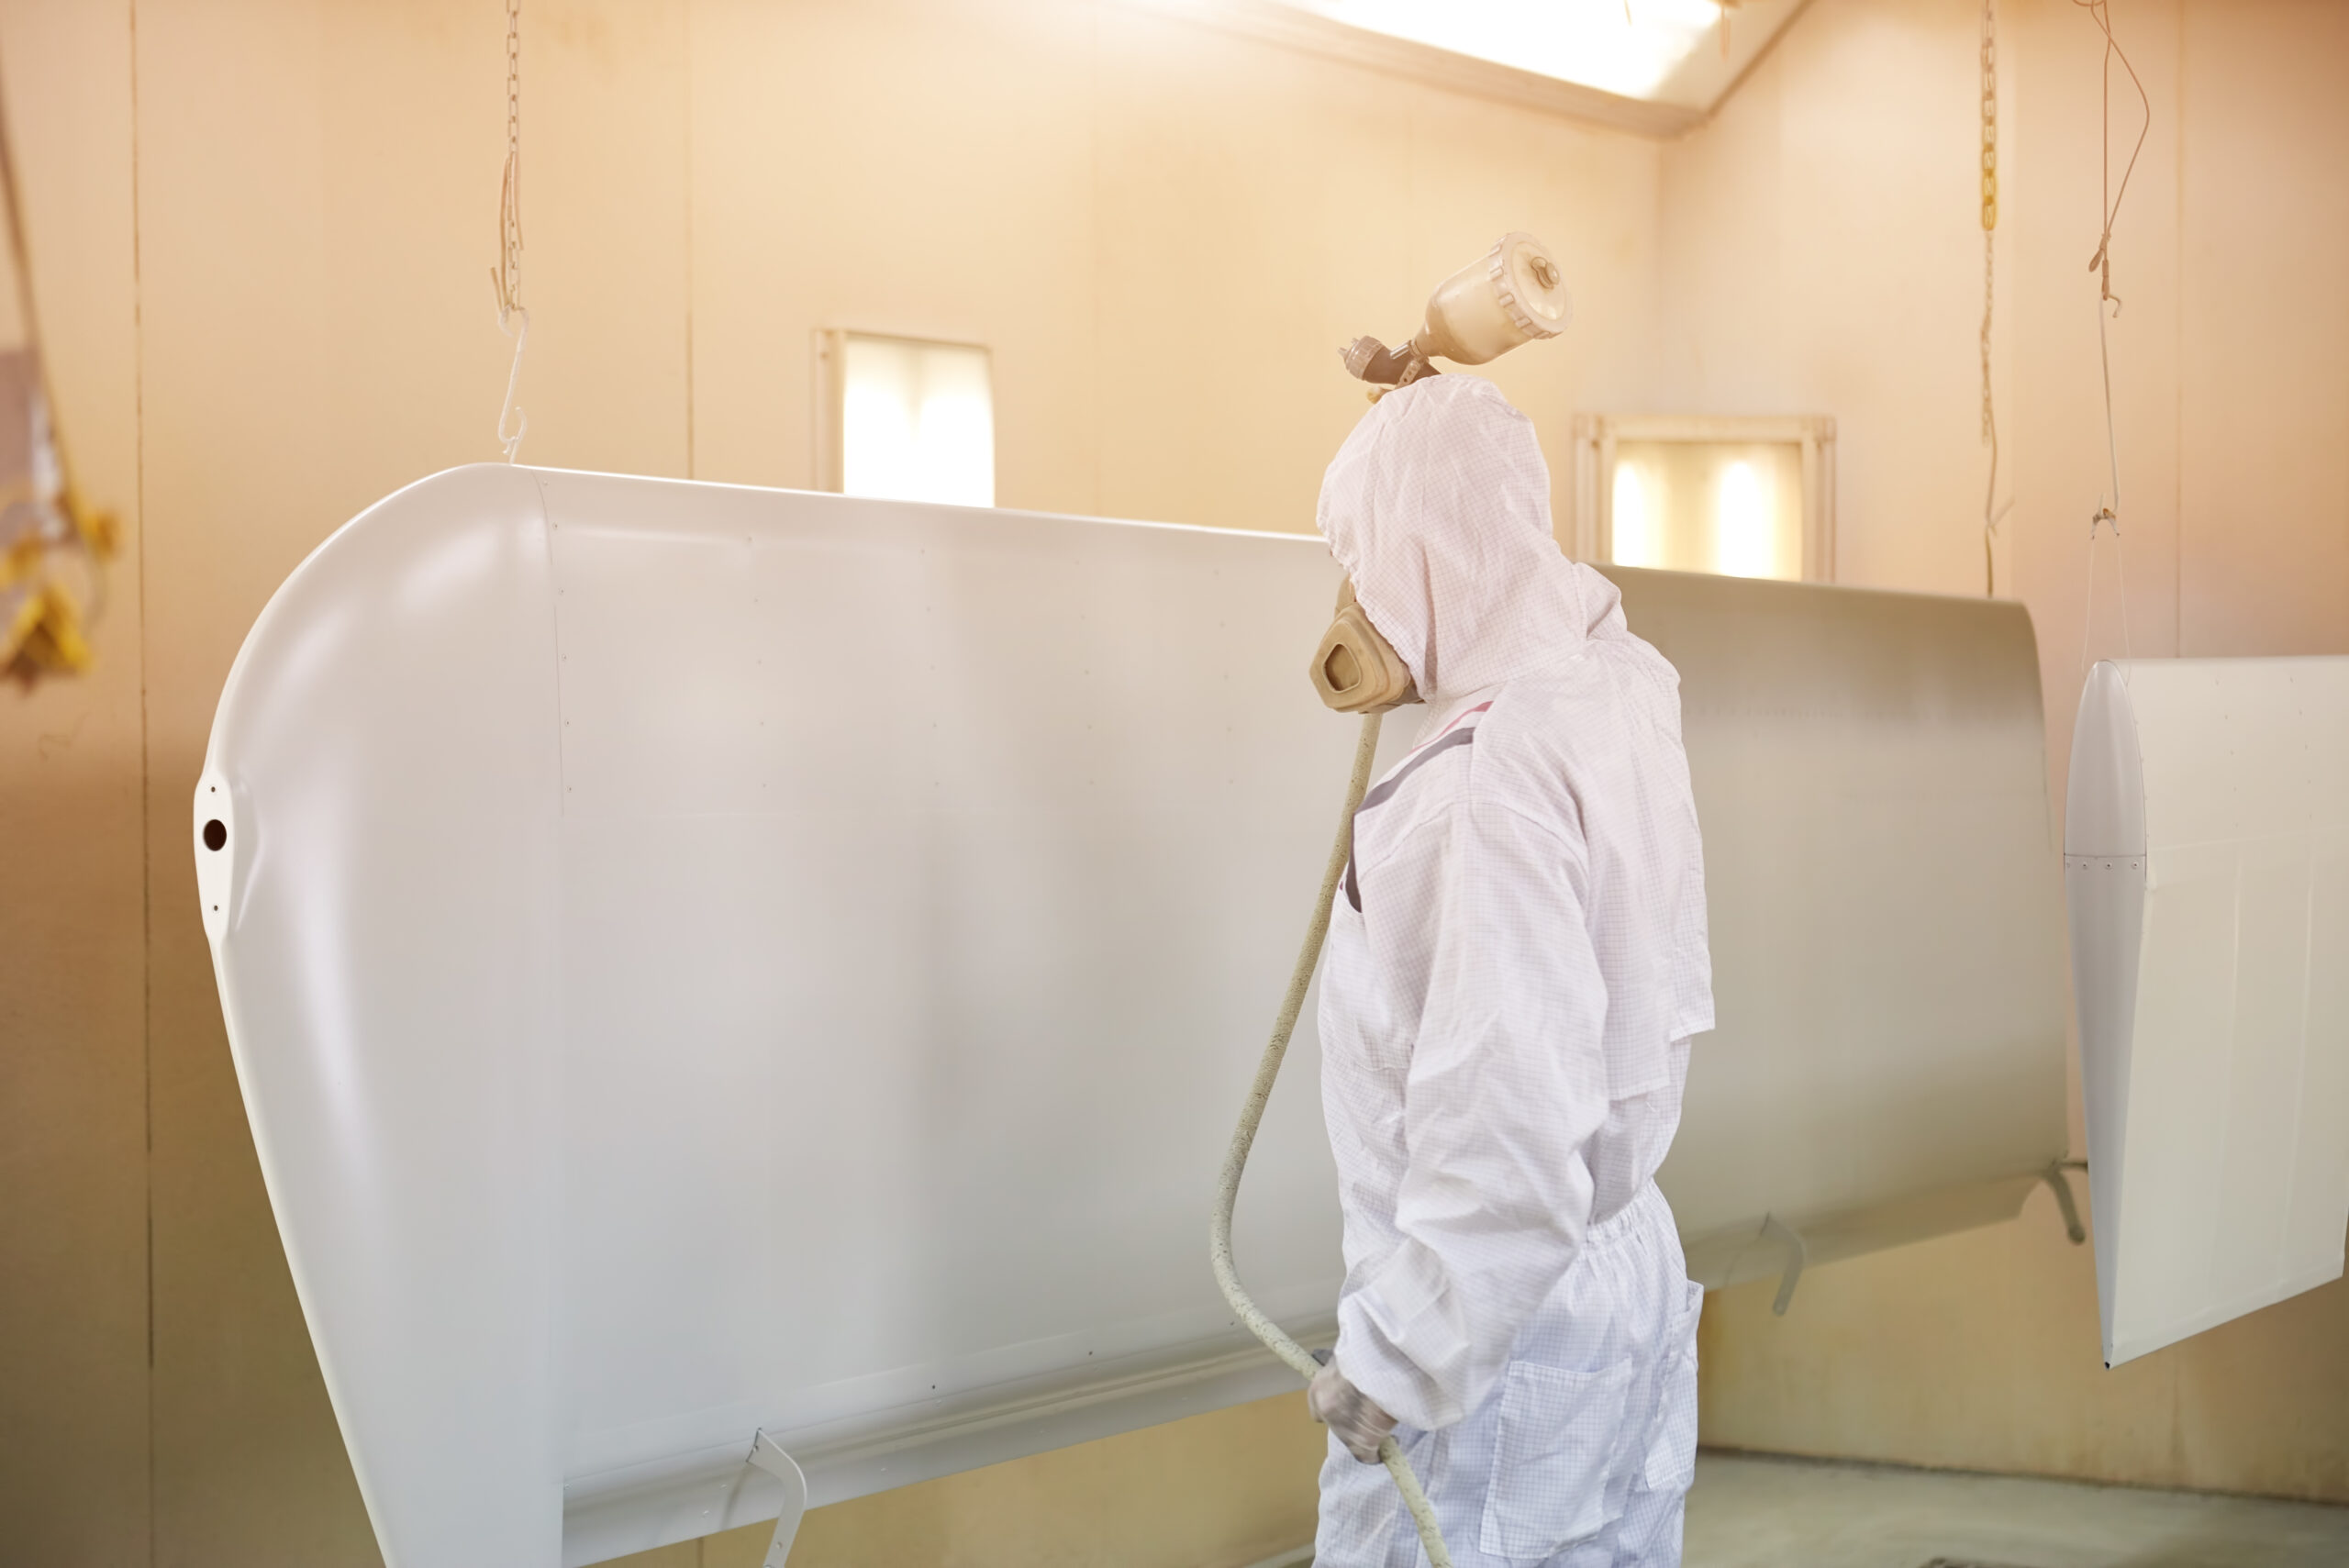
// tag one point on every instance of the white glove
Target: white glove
(1348, 1412)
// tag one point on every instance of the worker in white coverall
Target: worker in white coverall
(1515, 966)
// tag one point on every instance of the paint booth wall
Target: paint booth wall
(1822, 254)
(261, 232)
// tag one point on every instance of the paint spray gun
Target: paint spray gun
(1513, 293)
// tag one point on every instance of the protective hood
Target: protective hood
(1438, 507)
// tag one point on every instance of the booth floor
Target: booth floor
(1751, 1511)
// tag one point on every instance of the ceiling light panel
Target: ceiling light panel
(1686, 53)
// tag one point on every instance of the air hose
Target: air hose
(1244, 1137)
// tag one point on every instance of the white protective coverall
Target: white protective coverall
(1516, 964)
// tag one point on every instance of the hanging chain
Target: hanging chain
(1989, 193)
(1990, 281)
(505, 278)
(508, 275)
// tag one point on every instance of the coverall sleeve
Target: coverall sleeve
(1506, 1083)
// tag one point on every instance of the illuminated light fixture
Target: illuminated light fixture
(1740, 497)
(1634, 545)
(1677, 54)
(1744, 542)
(1599, 43)
(907, 419)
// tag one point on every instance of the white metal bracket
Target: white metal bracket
(1797, 1255)
(2053, 1177)
(768, 1454)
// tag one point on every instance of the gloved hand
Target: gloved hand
(1348, 1412)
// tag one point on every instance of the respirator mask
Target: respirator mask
(1355, 669)
(1514, 293)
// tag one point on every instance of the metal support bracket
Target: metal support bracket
(768, 1454)
(2053, 1177)
(1797, 1255)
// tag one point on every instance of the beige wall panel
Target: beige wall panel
(922, 170)
(1892, 1346)
(317, 192)
(1967, 1352)
(1722, 331)
(2260, 1400)
(1256, 216)
(73, 1087)
(1260, 207)
(1980, 1351)
(605, 224)
(1885, 281)
(2262, 397)
(1823, 255)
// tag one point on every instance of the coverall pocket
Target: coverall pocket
(1672, 1451)
(1552, 1456)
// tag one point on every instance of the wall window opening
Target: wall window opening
(906, 419)
(1741, 498)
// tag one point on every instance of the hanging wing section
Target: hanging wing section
(2207, 863)
(704, 962)
(1886, 915)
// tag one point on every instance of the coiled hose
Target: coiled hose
(1244, 1137)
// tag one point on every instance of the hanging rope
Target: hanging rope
(505, 278)
(2100, 12)
(1991, 512)
(2109, 509)
(44, 523)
